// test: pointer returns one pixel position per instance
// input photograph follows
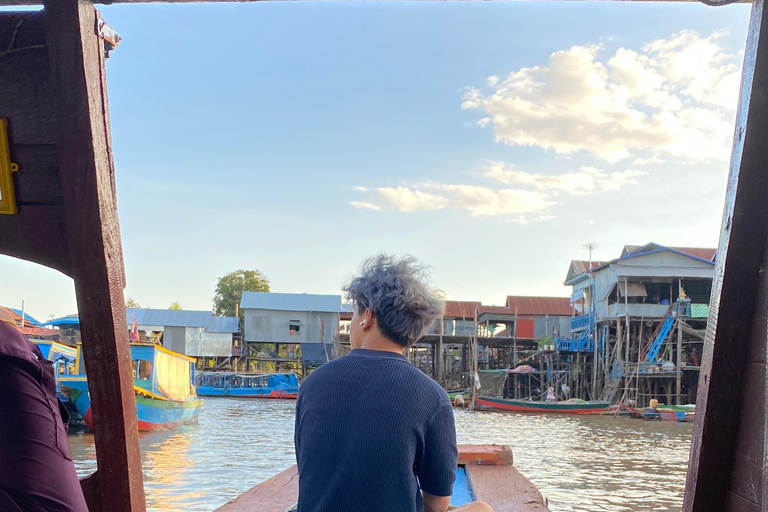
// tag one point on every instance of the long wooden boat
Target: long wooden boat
(248, 385)
(162, 383)
(565, 407)
(484, 473)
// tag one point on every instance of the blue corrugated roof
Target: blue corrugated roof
(183, 318)
(169, 318)
(63, 320)
(291, 302)
(27, 318)
(224, 324)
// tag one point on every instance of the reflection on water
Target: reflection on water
(580, 464)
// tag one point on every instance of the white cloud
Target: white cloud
(530, 193)
(675, 97)
(479, 201)
(361, 189)
(365, 206)
(406, 199)
(484, 201)
(587, 180)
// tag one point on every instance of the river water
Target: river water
(585, 464)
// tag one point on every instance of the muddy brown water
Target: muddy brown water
(579, 463)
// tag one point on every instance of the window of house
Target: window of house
(261, 323)
(294, 327)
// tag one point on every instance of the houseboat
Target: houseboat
(248, 385)
(162, 384)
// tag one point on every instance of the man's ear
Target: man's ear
(367, 319)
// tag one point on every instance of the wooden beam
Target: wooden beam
(37, 2)
(79, 83)
(38, 232)
(727, 465)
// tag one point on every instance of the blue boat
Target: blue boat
(65, 362)
(248, 385)
(163, 385)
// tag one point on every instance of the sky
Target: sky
(490, 140)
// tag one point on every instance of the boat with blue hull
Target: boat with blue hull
(248, 385)
(65, 362)
(163, 387)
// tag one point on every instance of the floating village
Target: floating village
(627, 341)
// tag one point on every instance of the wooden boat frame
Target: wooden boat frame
(492, 476)
(59, 135)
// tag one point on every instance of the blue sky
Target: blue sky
(490, 140)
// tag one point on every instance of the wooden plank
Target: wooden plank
(79, 84)
(277, 494)
(727, 468)
(25, 80)
(505, 489)
(501, 485)
(38, 232)
(36, 2)
(490, 454)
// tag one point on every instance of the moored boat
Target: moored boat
(484, 473)
(65, 362)
(678, 413)
(162, 383)
(573, 406)
(248, 385)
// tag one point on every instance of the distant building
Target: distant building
(27, 325)
(521, 317)
(192, 333)
(641, 319)
(311, 321)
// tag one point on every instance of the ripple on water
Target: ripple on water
(584, 464)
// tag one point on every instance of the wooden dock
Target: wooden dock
(493, 478)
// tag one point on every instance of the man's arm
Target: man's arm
(436, 467)
(435, 503)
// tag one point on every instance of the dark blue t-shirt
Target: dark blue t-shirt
(372, 431)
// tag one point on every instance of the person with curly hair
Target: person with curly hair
(374, 433)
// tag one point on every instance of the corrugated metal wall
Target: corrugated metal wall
(274, 326)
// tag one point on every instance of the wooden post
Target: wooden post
(515, 359)
(727, 468)
(440, 377)
(76, 56)
(680, 363)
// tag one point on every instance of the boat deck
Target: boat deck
(488, 469)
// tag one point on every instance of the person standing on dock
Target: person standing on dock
(373, 432)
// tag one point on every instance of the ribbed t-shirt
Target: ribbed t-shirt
(372, 432)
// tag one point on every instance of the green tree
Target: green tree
(175, 305)
(230, 288)
(130, 303)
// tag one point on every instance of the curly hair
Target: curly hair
(398, 294)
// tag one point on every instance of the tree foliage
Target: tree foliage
(131, 303)
(175, 305)
(230, 288)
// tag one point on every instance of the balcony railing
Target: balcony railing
(579, 323)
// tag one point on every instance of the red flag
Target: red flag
(135, 332)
